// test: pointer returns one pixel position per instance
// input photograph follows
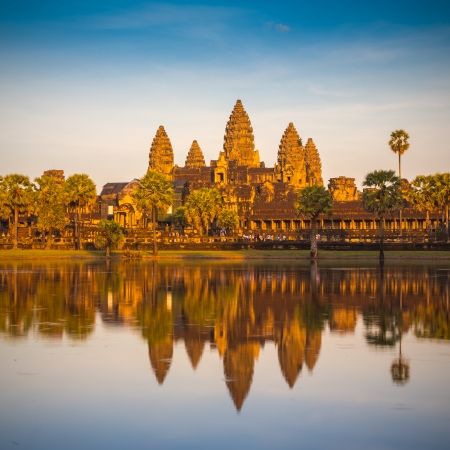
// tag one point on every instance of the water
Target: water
(216, 355)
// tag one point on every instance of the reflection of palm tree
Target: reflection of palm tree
(400, 366)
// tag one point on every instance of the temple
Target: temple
(264, 197)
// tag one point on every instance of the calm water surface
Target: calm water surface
(219, 355)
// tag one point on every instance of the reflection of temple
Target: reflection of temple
(233, 309)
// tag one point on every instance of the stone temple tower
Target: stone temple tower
(239, 142)
(161, 153)
(195, 157)
(313, 164)
(290, 166)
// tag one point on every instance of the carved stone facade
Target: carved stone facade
(195, 157)
(343, 189)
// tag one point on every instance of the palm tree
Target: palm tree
(81, 193)
(441, 183)
(421, 195)
(203, 207)
(154, 192)
(399, 144)
(16, 196)
(382, 197)
(311, 202)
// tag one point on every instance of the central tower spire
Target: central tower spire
(239, 142)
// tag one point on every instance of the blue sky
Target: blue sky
(85, 84)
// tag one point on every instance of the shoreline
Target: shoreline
(232, 255)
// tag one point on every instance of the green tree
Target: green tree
(154, 192)
(16, 197)
(421, 195)
(179, 218)
(110, 235)
(381, 197)
(441, 184)
(51, 201)
(311, 202)
(202, 208)
(228, 219)
(81, 193)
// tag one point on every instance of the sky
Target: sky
(85, 84)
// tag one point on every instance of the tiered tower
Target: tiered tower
(313, 164)
(195, 157)
(239, 142)
(161, 153)
(291, 159)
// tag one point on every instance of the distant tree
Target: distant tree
(381, 197)
(228, 220)
(16, 197)
(81, 193)
(311, 202)
(441, 183)
(179, 217)
(399, 144)
(154, 192)
(202, 208)
(111, 233)
(51, 202)
(421, 195)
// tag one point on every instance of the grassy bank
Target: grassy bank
(418, 255)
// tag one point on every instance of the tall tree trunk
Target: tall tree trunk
(401, 206)
(381, 256)
(313, 238)
(79, 230)
(446, 221)
(16, 228)
(155, 248)
(76, 230)
(108, 250)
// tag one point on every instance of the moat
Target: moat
(214, 354)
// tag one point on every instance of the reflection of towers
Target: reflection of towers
(238, 363)
(194, 344)
(291, 351)
(160, 355)
(312, 350)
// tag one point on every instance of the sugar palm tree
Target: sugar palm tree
(441, 183)
(421, 195)
(381, 197)
(399, 144)
(311, 202)
(154, 192)
(81, 192)
(16, 196)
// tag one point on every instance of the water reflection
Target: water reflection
(232, 309)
